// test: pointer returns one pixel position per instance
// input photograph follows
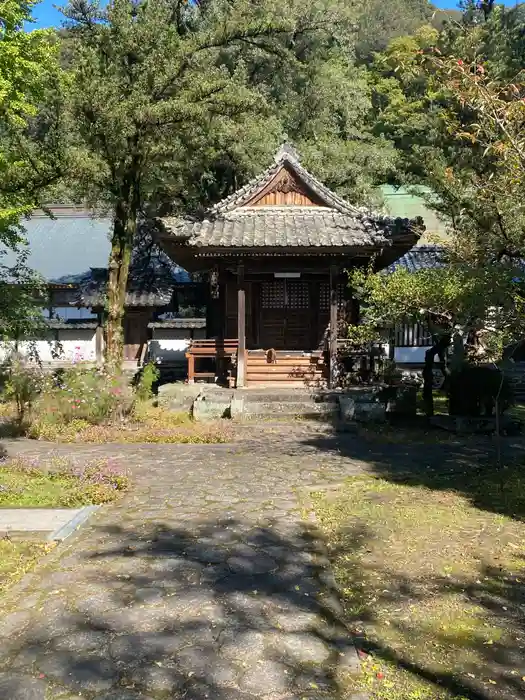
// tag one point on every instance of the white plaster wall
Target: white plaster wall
(413, 356)
(171, 344)
(74, 345)
(78, 345)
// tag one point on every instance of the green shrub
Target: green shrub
(82, 394)
(22, 385)
(149, 375)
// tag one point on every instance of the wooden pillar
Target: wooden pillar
(221, 306)
(333, 324)
(99, 342)
(214, 307)
(241, 326)
(314, 303)
(191, 368)
(256, 313)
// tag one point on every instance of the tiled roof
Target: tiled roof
(72, 249)
(65, 246)
(72, 324)
(335, 223)
(151, 289)
(420, 257)
(179, 323)
(309, 227)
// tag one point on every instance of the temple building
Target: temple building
(275, 253)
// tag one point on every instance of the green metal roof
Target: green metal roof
(400, 202)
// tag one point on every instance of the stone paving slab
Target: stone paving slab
(35, 520)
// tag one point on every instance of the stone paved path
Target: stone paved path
(204, 582)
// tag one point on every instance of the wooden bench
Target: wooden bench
(222, 351)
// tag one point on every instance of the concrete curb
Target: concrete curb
(69, 528)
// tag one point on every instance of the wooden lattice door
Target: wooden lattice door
(285, 321)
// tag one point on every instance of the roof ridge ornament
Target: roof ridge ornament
(287, 152)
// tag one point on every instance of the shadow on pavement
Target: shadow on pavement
(224, 610)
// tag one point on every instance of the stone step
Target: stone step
(277, 409)
(291, 377)
(283, 395)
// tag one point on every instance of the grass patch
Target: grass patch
(59, 484)
(184, 433)
(433, 587)
(17, 558)
(146, 423)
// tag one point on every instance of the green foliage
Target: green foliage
(28, 75)
(30, 153)
(453, 105)
(60, 484)
(380, 21)
(478, 303)
(149, 375)
(362, 334)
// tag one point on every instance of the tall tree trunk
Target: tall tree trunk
(124, 229)
(439, 348)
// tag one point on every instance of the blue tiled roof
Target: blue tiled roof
(66, 246)
(420, 258)
(73, 248)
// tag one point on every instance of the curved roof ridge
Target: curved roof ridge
(286, 155)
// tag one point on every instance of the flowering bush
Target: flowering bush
(22, 383)
(82, 394)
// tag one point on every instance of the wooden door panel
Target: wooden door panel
(285, 315)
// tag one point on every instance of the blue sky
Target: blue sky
(47, 16)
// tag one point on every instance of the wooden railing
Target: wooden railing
(224, 352)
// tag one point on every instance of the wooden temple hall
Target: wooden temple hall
(276, 252)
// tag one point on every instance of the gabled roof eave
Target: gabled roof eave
(287, 157)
